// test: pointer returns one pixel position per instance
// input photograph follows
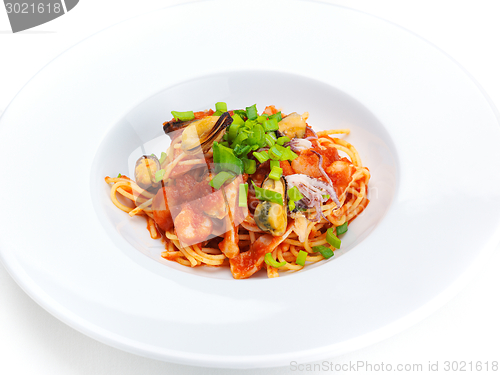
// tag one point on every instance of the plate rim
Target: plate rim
(453, 289)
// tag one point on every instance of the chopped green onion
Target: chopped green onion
(268, 195)
(288, 154)
(219, 179)
(271, 125)
(242, 199)
(159, 175)
(224, 159)
(221, 106)
(241, 113)
(237, 148)
(294, 194)
(119, 175)
(255, 147)
(183, 116)
(269, 140)
(217, 113)
(275, 153)
(282, 140)
(275, 173)
(291, 205)
(261, 119)
(240, 138)
(241, 150)
(268, 258)
(250, 123)
(301, 258)
(342, 229)
(277, 116)
(225, 136)
(332, 239)
(250, 165)
(274, 163)
(261, 156)
(325, 251)
(252, 112)
(233, 131)
(237, 119)
(163, 157)
(326, 196)
(257, 137)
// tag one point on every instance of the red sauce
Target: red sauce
(161, 210)
(201, 114)
(287, 168)
(261, 173)
(307, 163)
(246, 264)
(309, 132)
(329, 154)
(340, 172)
(186, 187)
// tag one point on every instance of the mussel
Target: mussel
(170, 127)
(145, 171)
(199, 135)
(270, 216)
(293, 126)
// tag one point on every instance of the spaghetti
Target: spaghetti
(226, 199)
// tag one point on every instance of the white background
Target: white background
(465, 329)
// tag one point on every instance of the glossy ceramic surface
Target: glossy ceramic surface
(421, 124)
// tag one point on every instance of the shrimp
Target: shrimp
(286, 167)
(307, 163)
(246, 264)
(192, 227)
(249, 262)
(270, 110)
(330, 154)
(340, 172)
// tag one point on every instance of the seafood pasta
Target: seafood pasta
(247, 191)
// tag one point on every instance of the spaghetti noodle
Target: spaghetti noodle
(194, 198)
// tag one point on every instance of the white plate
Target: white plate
(420, 123)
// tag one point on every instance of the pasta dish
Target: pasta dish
(247, 191)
